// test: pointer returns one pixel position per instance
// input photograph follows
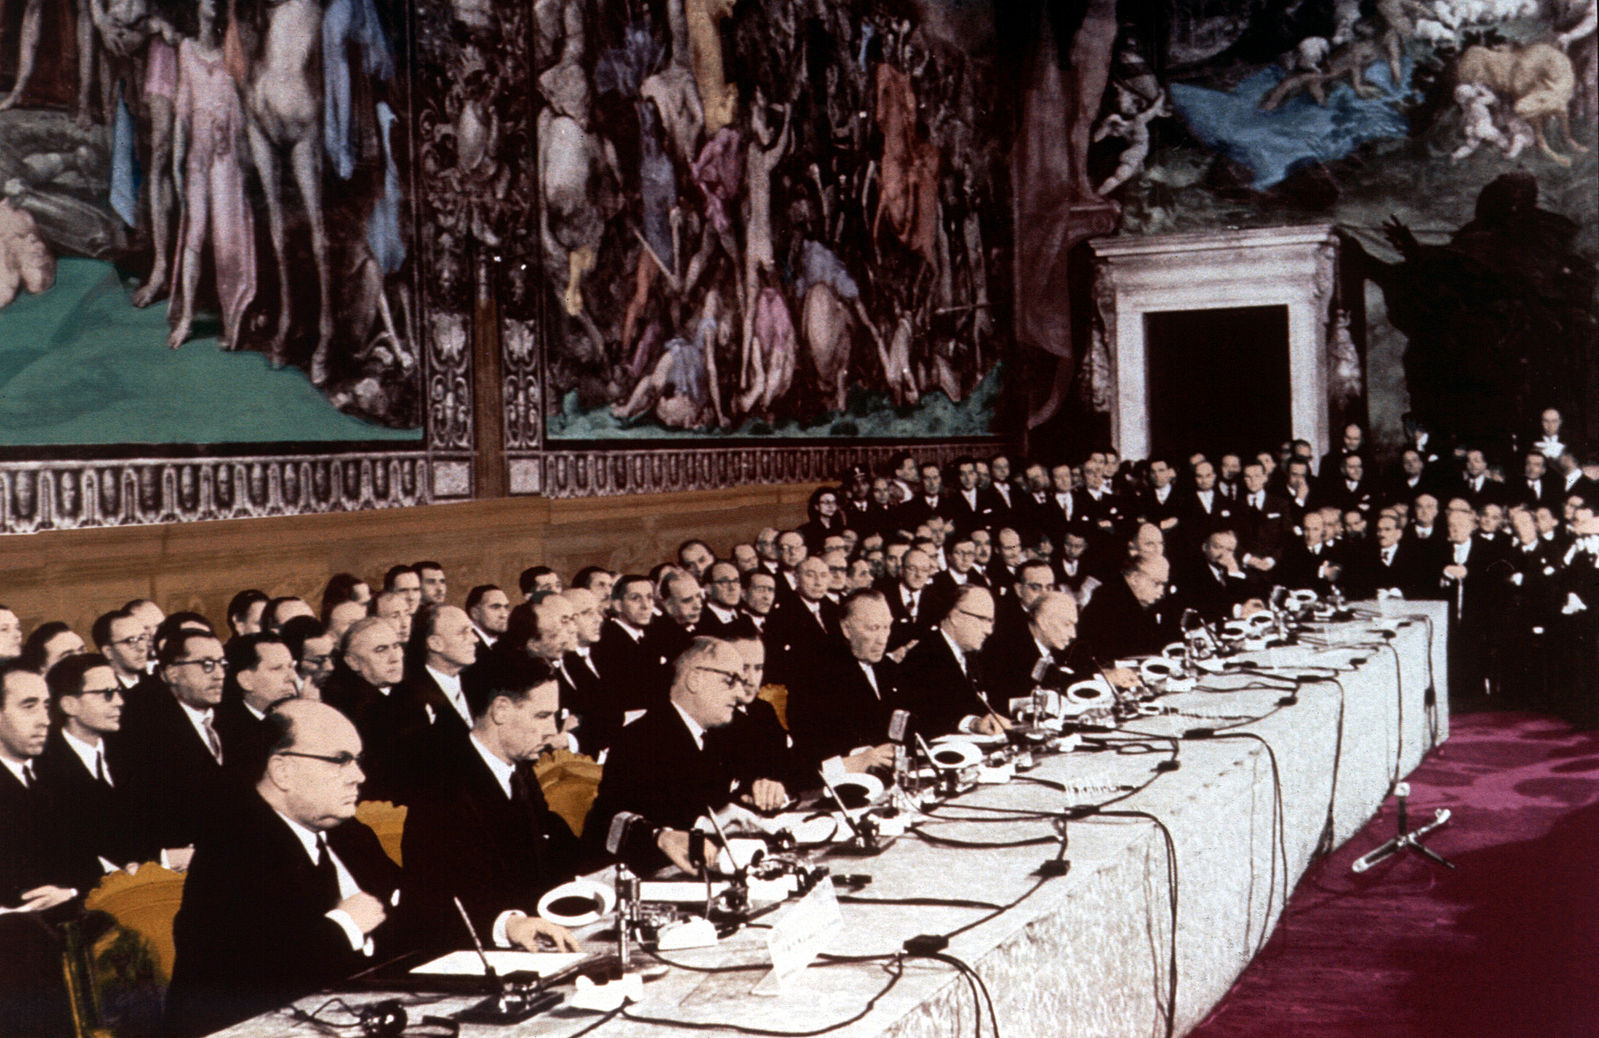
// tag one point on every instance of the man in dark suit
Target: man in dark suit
(175, 755)
(1159, 503)
(963, 570)
(967, 508)
(261, 675)
(1474, 484)
(489, 609)
(1389, 564)
(289, 893)
(1350, 489)
(1297, 489)
(756, 743)
(721, 617)
(1011, 665)
(1214, 582)
(1537, 486)
(930, 500)
(1121, 619)
(121, 637)
(1265, 521)
(596, 704)
(442, 646)
(664, 772)
(1002, 568)
(1467, 582)
(1424, 528)
(623, 661)
(937, 684)
(1310, 562)
(362, 688)
(1411, 479)
(39, 880)
(1060, 507)
(1204, 507)
(844, 713)
(1001, 499)
(482, 831)
(79, 771)
(800, 627)
(909, 600)
(1353, 443)
(682, 604)
(760, 596)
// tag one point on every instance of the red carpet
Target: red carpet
(1506, 945)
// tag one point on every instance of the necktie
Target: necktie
(100, 770)
(327, 874)
(211, 739)
(1387, 556)
(1256, 501)
(28, 779)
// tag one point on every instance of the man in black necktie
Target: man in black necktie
(1010, 665)
(844, 714)
(289, 893)
(596, 703)
(937, 682)
(801, 626)
(908, 599)
(1214, 582)
(760, 595)
(1466, 581)
(261, 675)
(1537, 487)
(721, 617)
(1001, 498)
(1475, 485)
(80, 771)
(682, 604)
(1311, 563)
(39, 880)
(625, 664)
(1351, 489)
(483, 832)
(1388, 566)
(967, 508)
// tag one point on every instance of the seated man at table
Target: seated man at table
(1121, 620)
(938, 681)
(287, 892)
(663, 772)
(1015, 667)
(482, 831)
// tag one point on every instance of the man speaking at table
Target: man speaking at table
(288, 893)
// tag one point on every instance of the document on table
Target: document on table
(467, 963)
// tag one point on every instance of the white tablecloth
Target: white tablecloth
(1089, 953)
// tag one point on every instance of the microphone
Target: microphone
(488, 967)
(623, 825)
(899, 726)
(863, 829)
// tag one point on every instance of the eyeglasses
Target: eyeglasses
(132, 640)
(209, 666)
(979, 617)
(729, 679)
(317, 662)
(338, 760)
(107, 693)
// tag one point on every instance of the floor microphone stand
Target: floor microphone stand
(1407, 840)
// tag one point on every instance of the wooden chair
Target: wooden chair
(143, 907)
(777, 695)
(569, 782)
(387, 821)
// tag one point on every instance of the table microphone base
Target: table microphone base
(1407, 840)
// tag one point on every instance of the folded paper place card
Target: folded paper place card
(799, 934)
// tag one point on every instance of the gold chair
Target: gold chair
(569, 782)
(387, 821)
(777, 695)
(143, 907)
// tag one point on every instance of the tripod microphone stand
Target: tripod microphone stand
(1407, 840)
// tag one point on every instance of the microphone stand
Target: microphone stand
(867, 839)
(1408, 839)
(519, 994)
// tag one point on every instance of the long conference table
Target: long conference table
(1089, 953)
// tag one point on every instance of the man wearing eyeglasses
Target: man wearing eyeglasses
(176, 755)
(938, 682)
(121, 637)
(81, 770)
(663, 772)
(288, 893)
(721, 617)
(482, 830)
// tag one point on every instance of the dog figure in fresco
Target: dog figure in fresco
(1536, 81)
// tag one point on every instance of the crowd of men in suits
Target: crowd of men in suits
(238, 756)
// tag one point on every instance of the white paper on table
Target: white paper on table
(686, 891)
(467, 963)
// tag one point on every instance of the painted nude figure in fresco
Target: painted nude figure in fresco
(208, 133)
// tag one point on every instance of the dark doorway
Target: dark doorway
(1218, 379)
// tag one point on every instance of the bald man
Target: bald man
(288, 894)
(1009, 665)
(939, 682)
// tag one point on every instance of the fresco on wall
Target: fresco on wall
(1451, 142)
(204, 228)
(770, 218)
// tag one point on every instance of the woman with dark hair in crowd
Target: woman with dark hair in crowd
(826, 518)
